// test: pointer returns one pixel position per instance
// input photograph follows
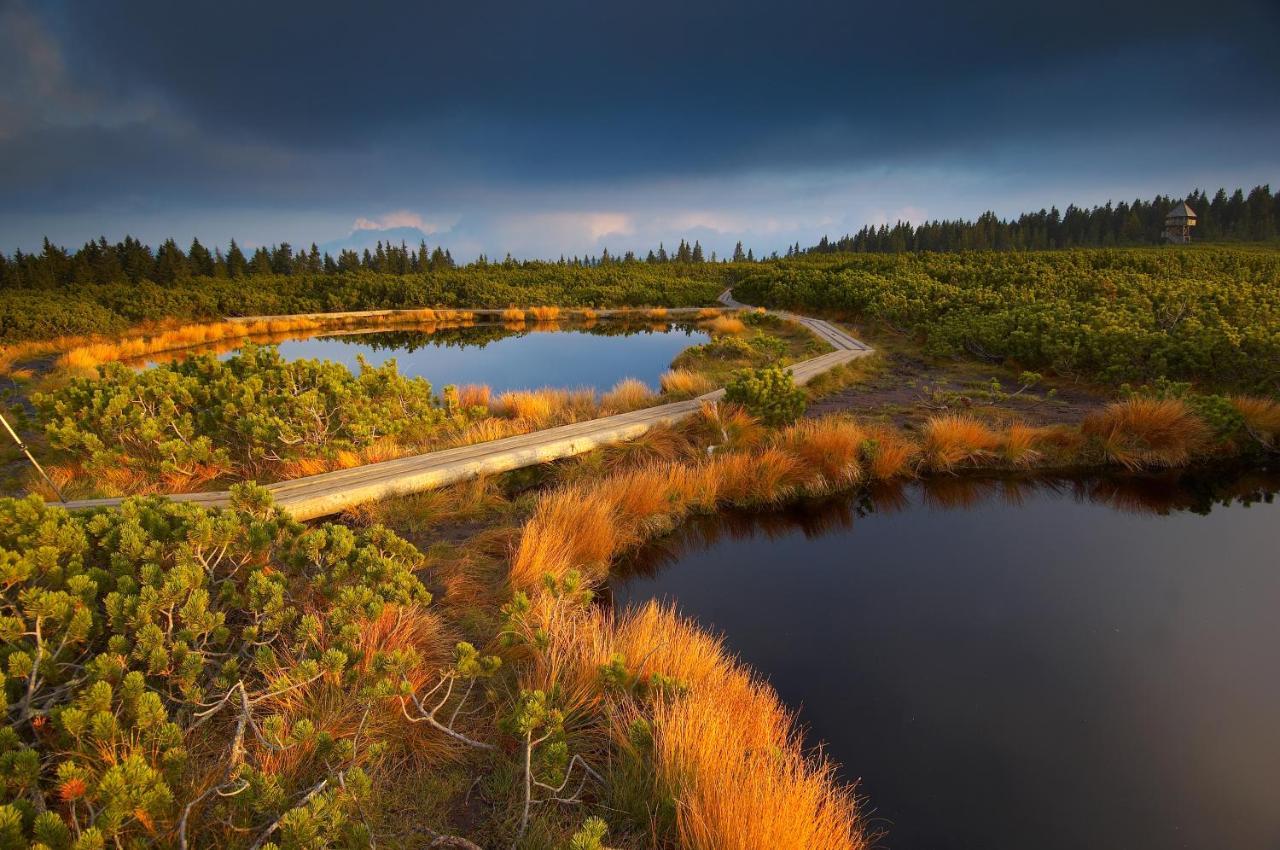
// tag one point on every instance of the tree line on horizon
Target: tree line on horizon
(1235, 217)
(1223, 218)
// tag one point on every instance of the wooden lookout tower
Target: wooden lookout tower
(1178, 224)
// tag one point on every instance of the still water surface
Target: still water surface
(1005, 665)
(508, 360)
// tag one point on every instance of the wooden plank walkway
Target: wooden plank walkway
(331, 492)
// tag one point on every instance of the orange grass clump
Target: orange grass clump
(887, 454)
(767, 477)
(722, 325)
(1019, 442)
(708, 313)
(1261, 416)
(571, 529)
(474, 395)
(656, 313)
(513, 314)
(725, 750)
(682, 382)
(544, 314)
(628, 394)
(956, 440)
(729, 426)
(829, 447)
(1146, 432)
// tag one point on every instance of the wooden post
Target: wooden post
(31, 457)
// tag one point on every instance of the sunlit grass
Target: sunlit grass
(1146, 432)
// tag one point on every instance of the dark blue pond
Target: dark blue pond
(506, 360)
(1012, 666)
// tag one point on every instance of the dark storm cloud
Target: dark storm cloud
(408, 104)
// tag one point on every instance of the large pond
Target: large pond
(1012, 665)
(595, 357)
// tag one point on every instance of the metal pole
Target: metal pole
(30, 457)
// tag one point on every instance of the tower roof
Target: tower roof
(1181, 211)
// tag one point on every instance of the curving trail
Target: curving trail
(331, 492)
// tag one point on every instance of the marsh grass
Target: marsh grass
(1140, 433)
(1261, 417)
(684, 383)
(724, 325)
(957, 440)
(627, 395)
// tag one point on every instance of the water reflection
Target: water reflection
(1151, 494)
(1013, 662)
(522, 356)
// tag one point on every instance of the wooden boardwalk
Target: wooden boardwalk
(331, 492)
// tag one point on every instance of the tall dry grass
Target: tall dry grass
(84, 356)
(1142, 433)
(829, 448)
(957, 440)
(626, 395)
(573, 529)
(724, 749)
(684, 383)
(888, 454)
(1261, 416)
(544, 314)
(722, 325)
(657, 313)
(546, 405)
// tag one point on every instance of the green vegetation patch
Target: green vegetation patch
(1209, 314)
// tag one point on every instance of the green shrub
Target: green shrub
(1208, 314)
(143, 650)
(769, 394)
(202, 418)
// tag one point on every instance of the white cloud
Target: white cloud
(398, 218)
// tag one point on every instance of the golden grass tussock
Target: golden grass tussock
(733, 761)
(725, 749)
(888, 454)
(514, 315)
(587, 314)
(1142, 433)
(763, 478)
(722, 325)
(659, 313)
(545, 405)
(957, 440)
(1261, 416)
(574, 528)
(484, 430)
(628, 394)
(1019, 444)
(828, 447)
(544, 314)
(728, 426)
(708, 313)
(474, 395)
(685, 383)
(660, 444)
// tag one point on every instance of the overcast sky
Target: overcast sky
(552, 127)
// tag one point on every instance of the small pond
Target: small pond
(570, 356)
(1009, 664)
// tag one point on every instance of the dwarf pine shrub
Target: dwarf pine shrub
(245, 414)
(155, 652)
(769, 394)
